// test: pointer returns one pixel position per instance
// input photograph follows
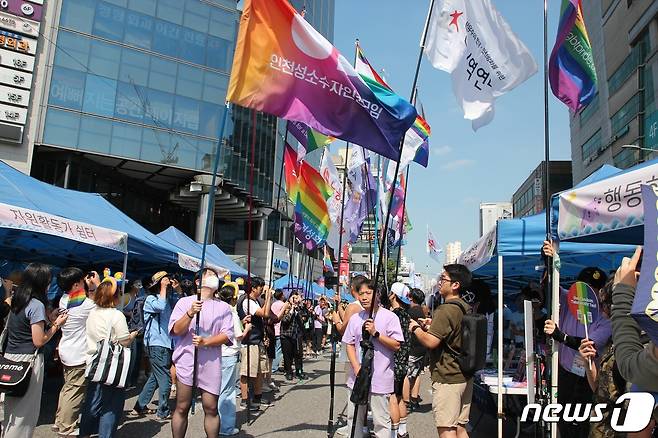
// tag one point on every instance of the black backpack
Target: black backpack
(137, 323)
(472, 356)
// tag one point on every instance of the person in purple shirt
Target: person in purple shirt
(386, 334)
(215, 330)
(573, 386)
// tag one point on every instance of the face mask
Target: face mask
(211, 283)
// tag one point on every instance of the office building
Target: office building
(491, 212)
(528, 199)
(126, 97)
(624, 37)
(453, 251)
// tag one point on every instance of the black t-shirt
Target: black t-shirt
(417, 349)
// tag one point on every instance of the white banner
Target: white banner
(478, 254)
(15, 78)
(193, 264)
(19, 218)
(612, 204)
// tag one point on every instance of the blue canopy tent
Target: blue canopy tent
(146, 250)
(604, 210)
(215, 257)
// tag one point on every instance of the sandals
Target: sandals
(136, 414)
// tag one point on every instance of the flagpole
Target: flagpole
(206, 233)
(550, 297)
(278, 199)
(390, 204)
(368, 202)
(379, 175)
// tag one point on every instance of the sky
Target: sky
(465, 168)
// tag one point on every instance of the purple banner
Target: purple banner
(645, 306)
(22, 8)
(300, 131)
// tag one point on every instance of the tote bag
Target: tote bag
(110, 364)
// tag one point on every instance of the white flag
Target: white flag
(330, 175)
(432, 246)
(473, 42)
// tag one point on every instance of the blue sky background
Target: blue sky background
(465, 167)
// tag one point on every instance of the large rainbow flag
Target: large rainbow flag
(416, 139)
(283, 66)
(312, 222)
(571, 68)
(292, 172)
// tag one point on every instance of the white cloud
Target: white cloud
(457, 164)
(441, 150)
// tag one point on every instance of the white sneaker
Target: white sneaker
(273, 386)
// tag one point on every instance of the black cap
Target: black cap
(595, 277)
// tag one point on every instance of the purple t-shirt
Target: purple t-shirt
(386, 323)
(275, 309)
(215, 318)
(599, 332)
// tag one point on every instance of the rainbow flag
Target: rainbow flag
(416, 144)
(292, 172)
(327, 265)
(571, 67)
(309, 139)
(76, 298)
(312, 222)
(283, 66)
(583, 303)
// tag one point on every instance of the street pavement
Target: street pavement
(300, 410)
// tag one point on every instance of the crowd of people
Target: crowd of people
(242, 333)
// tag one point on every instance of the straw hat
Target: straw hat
(157, 277)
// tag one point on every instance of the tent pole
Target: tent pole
(125, 279)
(500, 346)
(555, 311)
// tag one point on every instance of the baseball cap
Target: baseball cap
(401, 291)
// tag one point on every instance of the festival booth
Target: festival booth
(214, 256)
(40, 208)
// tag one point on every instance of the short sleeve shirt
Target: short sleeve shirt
(19, 327)
(446, 325)
(386, 323)
(104, 323)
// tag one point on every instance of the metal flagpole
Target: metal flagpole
(249, 237)
(388, 213)
(209, 215)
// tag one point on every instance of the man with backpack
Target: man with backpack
(156, 314)
(454, 358)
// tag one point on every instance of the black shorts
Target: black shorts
(415, 366)
(398, 385)
(271, 348)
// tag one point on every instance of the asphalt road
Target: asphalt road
(300, 410)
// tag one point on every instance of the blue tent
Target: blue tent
(585, 217)
(146, 250)
(214, 255)
(289, 281)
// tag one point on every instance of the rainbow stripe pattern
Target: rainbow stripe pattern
(416, 143)
(571, 69)
(76, 298)
(327, 265)
(312, 222)
(283, 66)
(292, 172)
(582, 302)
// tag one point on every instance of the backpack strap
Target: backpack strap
(454, 333)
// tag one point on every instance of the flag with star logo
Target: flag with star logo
(473, 42)
(432, 246)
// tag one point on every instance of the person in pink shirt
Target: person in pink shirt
(386, 335)
(277, 309)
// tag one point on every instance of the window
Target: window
(625, 114)
(591, 109)
(223, 23)
(186, 115)
(624, 71)
(190, 81)
(214, 87)
(109, 21)
(170, 10)
(126, 140)
(134, 67)
(62, 128)
(166, 37)
(591, 147)
(192, 46)
(95, 134)
(625, 159)
(78, 15)
(100, 94)
(67, 88)
(197, 15)
(130, 102)
(104, 59)
(72, 51)
(218, 53)
(143, 6)
(163, 75)
(139, 29)
(159, 108)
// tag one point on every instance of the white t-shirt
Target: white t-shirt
(253, 307)
(234, 348)
(73, 345)
(102, 323)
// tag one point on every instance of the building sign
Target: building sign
(22, 8)
(281, 260)
(13, 114)
(16, 60)
(15, 78)
(651, 131)
(14, 96)
(17, 43)
(18, 24)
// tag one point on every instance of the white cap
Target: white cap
(401, 290)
